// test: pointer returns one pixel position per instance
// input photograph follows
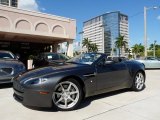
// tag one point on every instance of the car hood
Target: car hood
(9, 62)
(47, 70)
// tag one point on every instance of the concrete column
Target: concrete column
(51, 46)
(9, 2)
(70, 48)
(55, 47)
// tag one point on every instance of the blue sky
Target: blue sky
(82, 10)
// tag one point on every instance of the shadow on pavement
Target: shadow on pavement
(86, 102)
(6, 85)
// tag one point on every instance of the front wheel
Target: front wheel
(67, 95)
(138, 82)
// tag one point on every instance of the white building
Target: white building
(104, 29)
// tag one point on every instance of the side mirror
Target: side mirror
(17, 56)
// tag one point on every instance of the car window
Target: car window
(102, 61)
(52, 57)
(63, 57)
(86, 58)
(6, 55)
(151, 58)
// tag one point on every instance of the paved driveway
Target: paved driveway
(120, 105)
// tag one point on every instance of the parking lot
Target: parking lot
(119, 105)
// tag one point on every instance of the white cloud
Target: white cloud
(43, 9)
(158, 17)
(28, 5)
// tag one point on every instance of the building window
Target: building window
(14, 3)
(4, 2)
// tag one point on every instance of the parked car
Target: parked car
(85, 75)
(10, 66)
(48, 58)
(150, 62)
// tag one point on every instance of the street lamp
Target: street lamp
(145, 27)
(154, 48)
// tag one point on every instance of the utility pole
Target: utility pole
(145, 27)
(154, 45)
(145, 32)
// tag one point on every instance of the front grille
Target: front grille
(6, 71)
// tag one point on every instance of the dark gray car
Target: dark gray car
(85, 75)
(10, 66)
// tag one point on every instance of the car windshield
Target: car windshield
(52, 56)
(86, 58)
(151, 58)
(6, 55)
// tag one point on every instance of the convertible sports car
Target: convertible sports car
(82, 76)
(10, 66)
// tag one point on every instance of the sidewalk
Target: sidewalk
(120, 105)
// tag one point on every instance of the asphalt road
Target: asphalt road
(119, 105)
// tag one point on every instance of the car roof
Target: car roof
(5, 51)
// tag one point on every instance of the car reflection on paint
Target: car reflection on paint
(10, 66)
(85, 75)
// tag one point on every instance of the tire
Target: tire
(138, 82)
(67, 95)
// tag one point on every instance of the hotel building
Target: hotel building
(104, 29)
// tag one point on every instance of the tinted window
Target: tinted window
(52, 57)
(86, 58)
(4, 55)
(63, 57)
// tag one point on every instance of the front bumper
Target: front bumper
(31, 96)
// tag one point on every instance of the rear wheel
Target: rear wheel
(139, 82)
(67, 95)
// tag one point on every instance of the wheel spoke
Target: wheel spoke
(72, 99)
(69, 86)
(74, 92)
(65, 103)
(62, 87)
(58, 93)
(60, 99)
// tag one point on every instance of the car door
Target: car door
(111, 75)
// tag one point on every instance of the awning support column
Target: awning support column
(54, 48)
(70, 48)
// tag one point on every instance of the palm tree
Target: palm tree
(120, 43)
(127, 50)
(138, 49)
(86, 43)
(93, 47)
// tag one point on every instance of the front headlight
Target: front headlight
(35, 81)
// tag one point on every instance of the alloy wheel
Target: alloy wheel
(66, 95)
(139, 81)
